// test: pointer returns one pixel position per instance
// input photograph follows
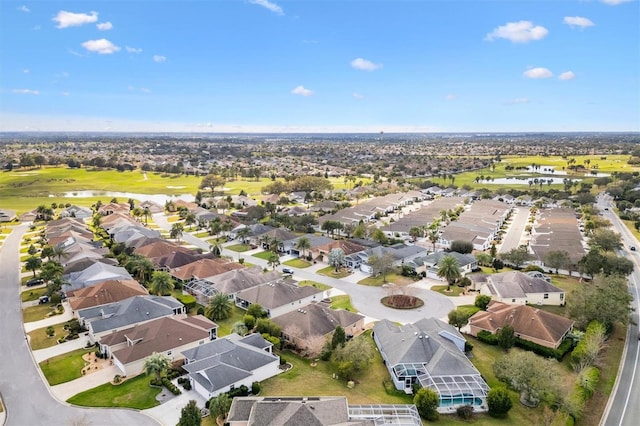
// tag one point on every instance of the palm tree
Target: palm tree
(59, 251)
(434, 236)
(219, 307)
(161, 283)
(190, 219)
(156, 364)
(274, 260)
(33, 264)
(243, 233)
(449, 269)
(140, 267)
(303, 245)
(146, 213)
(176, 231)
(50, 271)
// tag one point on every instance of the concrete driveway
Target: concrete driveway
(26, 397)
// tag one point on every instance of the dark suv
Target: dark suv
(34, 282)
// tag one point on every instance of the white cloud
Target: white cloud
(300, 90)
(578, 21)
(518, 32)
(364, 65)
(69, 19)
(538, 73)
(268, 5)
(357, 95)
(104, 26)
(614, 2)
(101, 46)
(451, 97)
(26, 91)
(159, 58)
(518, 101)
(65, 93)
(568, 75)
(26, 70)
(24, 9)
(133, 49)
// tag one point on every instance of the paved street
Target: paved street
(513, 237)
(26, 397)
(623, 408)
(364, 298)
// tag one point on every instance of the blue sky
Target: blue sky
(320, 66)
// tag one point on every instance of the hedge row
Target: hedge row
(169, 385)
(565, 346)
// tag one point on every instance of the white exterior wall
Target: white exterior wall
(280, 310)
(136, 367)
(554, 299)
(258, 375)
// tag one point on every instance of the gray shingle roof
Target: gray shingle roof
(276, 294)
(516, 284)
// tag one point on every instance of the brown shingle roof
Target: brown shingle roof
(526, 321)
(204, 268)
(317, 320)
(103, 293)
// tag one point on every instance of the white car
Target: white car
(287, 271)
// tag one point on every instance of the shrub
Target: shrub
(255, 388)
(241, 391)
(249, 321)
(487, 337)
(187, 300)
(482, 300)
(117, 378)
(427, 401)
(170, 386)
(200, 310)
(465, 412)
(499, 402)
(530, 268)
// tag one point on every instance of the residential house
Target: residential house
(105, 319)
(401, 254)
(516, 287)
(112, 208)
(203, 268)
(152, 206)
(430, 353)
(82, 264)
(300, 326)
(94, 274)
(557, 229)
(468, 263)
(315, 241)
(171, 336)
(319, 411)
(77, 212)
(529, 323)
(228, 363)
(229, 283)
(278, 297)
(7, 215)
(159, 248)
(321, 253)
(106, 292)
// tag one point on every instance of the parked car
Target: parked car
(538, 274)
(43, 299)
(632, 248)
(34, 282)
(287, 271)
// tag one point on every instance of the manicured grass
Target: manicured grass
(201, 234)
(224, 327)
(308, 283)
(38, 339)
(610, 362)
(442, 289)
(631, 226)
(265, 255)
(32, 294)
(565, 282)
(239, 247)
(133, 393)
(342, 302)
(297, 263)
(388, 279)
(470, 309)
(64, 368)
(37, 313)
(304, 380)
(330, 271)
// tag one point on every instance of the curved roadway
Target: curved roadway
(623, 408)
(365, 299)
(25, 395)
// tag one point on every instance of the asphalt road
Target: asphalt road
(623, 408)
(514, 234)
(364, 298)
(25, 396)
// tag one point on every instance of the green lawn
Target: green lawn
(304, 380)
(308, 283)
(442, 289)
(224, 327)
(297, 263)
(64, 368)
(388, 279)
(32, 294)
(239, 247)
(330, 271)
(265, 255)
(37, 313)
(133, 393)
(342, 302)
(38, 339)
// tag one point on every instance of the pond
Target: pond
(525, 180)
(124, 196)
